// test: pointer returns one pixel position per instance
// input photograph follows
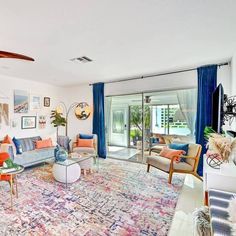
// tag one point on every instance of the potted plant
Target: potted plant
(57, 120)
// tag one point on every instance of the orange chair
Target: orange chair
(5, 177)
(4, 156)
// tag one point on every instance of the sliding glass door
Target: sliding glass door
(124, 127)
(138, 125)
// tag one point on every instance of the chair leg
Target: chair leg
(198, 176)
(170, 177)
(148, 167)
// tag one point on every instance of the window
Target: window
(168, 119)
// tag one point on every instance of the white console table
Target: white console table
(221, 179)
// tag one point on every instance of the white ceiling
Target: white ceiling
(124, 38)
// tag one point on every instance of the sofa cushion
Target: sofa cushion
(45, 143)
(164, 164)
(28, 144)
(35, 156)
(18, 145)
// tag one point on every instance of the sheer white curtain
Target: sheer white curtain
(188, 106)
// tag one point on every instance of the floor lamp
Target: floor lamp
(61, 108)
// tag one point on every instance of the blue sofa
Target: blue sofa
(30, 155)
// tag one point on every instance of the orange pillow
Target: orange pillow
(84, 142)
(45, 143)
(170, 153)
(7, 140)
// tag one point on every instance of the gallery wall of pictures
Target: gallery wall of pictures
(22, 112)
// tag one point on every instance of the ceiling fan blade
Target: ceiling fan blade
(4, 54)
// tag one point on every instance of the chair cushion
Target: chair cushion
(163, 163)
(180, 146)
(84, 149)
(170, 153)
(85, 143)
(85, 136)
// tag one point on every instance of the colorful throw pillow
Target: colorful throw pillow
(170, 153)
(85, 136)
(18, 145)
(45, 143)
(180, 146)
(7, 140)
(85, 143)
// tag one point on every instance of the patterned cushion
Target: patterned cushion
(28, 144)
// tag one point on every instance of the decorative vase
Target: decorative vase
(61, 155)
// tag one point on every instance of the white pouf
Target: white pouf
(73, 172)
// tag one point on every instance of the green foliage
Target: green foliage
(136, 116)
(208, 131)
(57, 119)
(135, 133)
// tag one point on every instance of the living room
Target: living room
(98, 103)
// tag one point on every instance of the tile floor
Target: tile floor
(190, 198)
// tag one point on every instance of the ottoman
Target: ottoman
(66, 172)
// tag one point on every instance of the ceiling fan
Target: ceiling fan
(4, 54)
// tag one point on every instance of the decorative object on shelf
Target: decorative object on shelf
(62, 109)
(82, 111)
(28, 122)
(4, 113)
(46, 101)
(42, 122)
(21, 101)
(57, 120)
(213, 159)
(229, 108)
(219, 144)
(60, 154)
(35, 102)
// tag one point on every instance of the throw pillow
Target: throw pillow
(45, 143)
(85, 143)
(180, 146)
(85, 136)
(170, 153)
(17, 145)
(53, 137)
(7, 140)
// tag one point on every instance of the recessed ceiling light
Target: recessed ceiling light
(83, 59)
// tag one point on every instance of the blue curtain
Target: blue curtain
(207, 82)
(99, 118)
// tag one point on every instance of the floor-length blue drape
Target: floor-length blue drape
(99, 118)
(207, 82)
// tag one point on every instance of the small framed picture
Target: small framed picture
(35, 102)
(46, 101)
(28, 122)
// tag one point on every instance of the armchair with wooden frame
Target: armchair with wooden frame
(170, 166)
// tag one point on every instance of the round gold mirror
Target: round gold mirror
(82, 111)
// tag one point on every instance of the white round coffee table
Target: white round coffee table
(66, 172)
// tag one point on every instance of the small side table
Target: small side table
(13, 178)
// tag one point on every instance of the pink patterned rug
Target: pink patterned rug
(122, 199)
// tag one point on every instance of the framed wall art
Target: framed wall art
(28, 122)
(21, 101)
(46, 101)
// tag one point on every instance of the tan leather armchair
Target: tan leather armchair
(92, 151)
(170, 166)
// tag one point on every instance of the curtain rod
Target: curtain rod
(159, 74)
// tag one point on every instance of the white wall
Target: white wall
(166, 82)
(81, 93)
(7, 87)
(233, 65)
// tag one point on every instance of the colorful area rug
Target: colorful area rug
(121, 199)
